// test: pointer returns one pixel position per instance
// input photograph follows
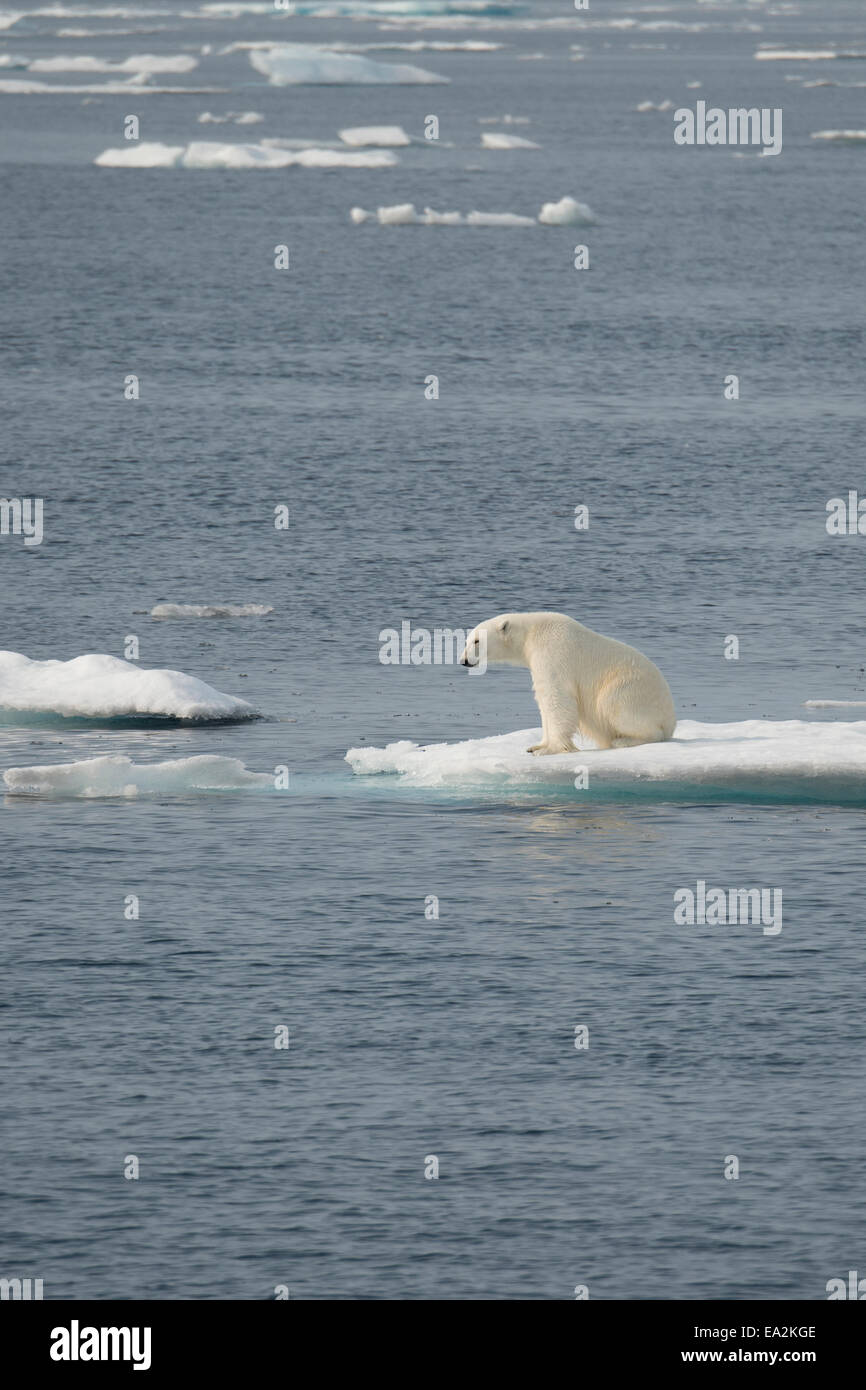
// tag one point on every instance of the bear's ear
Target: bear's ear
(504, 625)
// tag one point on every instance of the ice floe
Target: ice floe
(567, 212)
(374, 135)
(841, 137)
(212, 154)
(97, 686)
(805, 55)
(301, 64)
(499, 140)
(138, 63)
(799, 759)
(211, 610)
(235, 117)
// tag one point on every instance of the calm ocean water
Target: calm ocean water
(411, 1037)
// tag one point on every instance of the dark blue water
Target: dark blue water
(453, 1037)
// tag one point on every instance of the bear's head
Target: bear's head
(497, 640)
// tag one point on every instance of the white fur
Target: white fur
(610, 692)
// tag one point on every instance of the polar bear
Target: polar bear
(582, 681)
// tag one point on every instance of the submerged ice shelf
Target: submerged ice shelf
(116, 775)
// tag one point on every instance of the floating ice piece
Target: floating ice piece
(120, 776)
(345, 159)
(498, 219)
(136, 85)
(498, 140)
(148, 154)
(804, 55)
(566, 213)
(206, 154)
(406, 215)
(238, 117)
(306, 64)
(442, 219)
(105, 687)
(842, 137)
(400, 215)
(211, 154)
(431, 45)
(791, 759)
(651, 105)
(834, 704)
(139, 63)
(211, 610)
(374, 135)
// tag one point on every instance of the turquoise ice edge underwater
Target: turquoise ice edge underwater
(452, 1036)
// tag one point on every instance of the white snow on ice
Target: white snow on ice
(147, 154)
(757, 756)
(566, 213)
(106, 687)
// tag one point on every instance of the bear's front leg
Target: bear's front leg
(540, 747)
(543, 749)
(558, 717)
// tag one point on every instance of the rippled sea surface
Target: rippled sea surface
(413, 1037)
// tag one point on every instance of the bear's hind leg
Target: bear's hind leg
(626, 724)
